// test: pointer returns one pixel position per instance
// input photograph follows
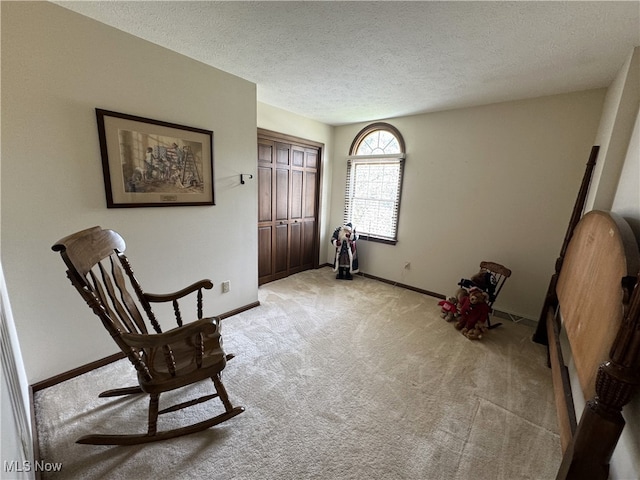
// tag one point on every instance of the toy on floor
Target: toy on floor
(346, 258)
(474, 314)
(490, 280)
(484, 280)
(450, 306)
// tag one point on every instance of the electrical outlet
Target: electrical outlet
(225, 286)
(407, 265)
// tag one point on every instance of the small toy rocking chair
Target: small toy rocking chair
(493, 276)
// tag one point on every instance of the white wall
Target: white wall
(614, 132)
(57, 67)
(494, 183)
(626, 459)
(281, 121)
(616, 186)
(627, 199)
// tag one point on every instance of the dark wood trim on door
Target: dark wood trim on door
(284, 138)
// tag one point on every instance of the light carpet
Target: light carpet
(340, 380)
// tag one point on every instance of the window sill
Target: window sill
(371, 238)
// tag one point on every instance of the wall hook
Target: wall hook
(242, 175)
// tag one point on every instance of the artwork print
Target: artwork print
(148, 163)
(154, 163)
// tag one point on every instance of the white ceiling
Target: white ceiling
(343, 62)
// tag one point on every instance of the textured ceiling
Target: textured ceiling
(343, 62)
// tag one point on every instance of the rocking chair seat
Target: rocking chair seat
(187, 368)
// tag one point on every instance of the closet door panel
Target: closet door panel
(297, 156)
(308, 243)
(297, 194)
(295, 247)
(265, 196)
(310, 194)
(281, 246)
(282, 194)
(311, 158)
(265, 264)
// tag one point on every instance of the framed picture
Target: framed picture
(150, 163)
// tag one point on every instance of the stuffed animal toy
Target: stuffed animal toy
(484, 280)
(449, 308)
(451, 305)
(461, 294)
(473, 311)
(346, 258)
(476, 332)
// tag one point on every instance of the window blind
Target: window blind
(372, 195)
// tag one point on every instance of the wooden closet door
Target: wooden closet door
(273, 210)
(287, 208)
(303, 219)
(266, 180)
(297, 206)
(310, 210)
(281, 226)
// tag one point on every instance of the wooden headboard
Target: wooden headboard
(598, 306)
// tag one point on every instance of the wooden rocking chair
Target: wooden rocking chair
(187, 354)
(494, 275)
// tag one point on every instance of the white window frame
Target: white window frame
(365, 229)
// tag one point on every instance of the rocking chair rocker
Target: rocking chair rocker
(164, 361)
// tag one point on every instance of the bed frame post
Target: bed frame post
(551, 298)
(589, 453)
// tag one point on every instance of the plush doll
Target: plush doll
(476, 332)
(484, 280)
(451, 305)
(346, 258)
(474, 311)
(449, 308)
(461, 295)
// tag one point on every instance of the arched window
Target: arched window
(374, 182)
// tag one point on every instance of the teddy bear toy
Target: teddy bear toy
(484, 280)
(474, 313)
(346, 258)
(475, 333)
(450, 306)
(461, 295)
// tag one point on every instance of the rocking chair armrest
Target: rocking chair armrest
(155, 340)
(169, 297)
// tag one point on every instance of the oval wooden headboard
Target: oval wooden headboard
(602, 251)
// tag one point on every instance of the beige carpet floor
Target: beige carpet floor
(340, 380)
